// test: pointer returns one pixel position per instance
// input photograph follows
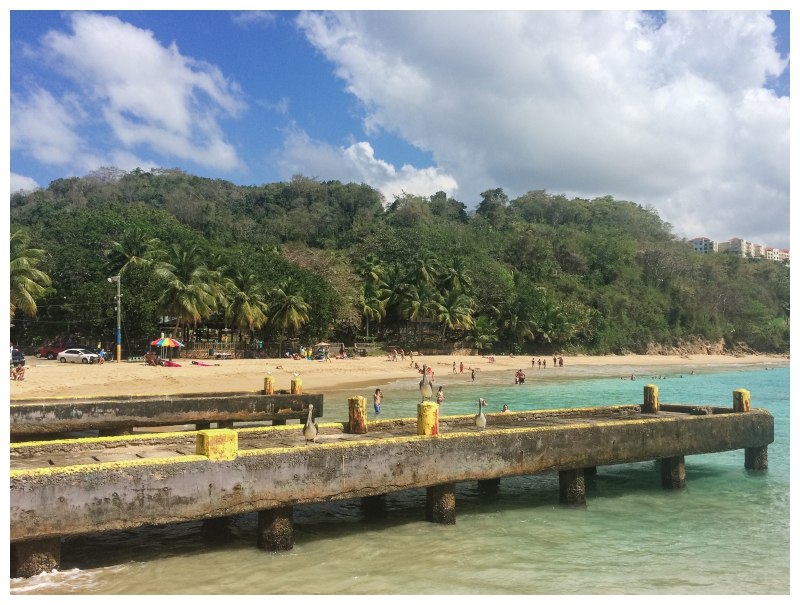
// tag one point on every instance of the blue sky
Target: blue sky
(687, 112)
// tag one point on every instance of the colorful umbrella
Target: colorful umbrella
(166, 342)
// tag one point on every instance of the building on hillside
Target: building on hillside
(704, 245)
(771, 253)
(758, 251)
(783, 254)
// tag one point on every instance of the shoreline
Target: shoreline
(51, 379)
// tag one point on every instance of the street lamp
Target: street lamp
(119, 318)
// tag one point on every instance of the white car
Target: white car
(77, 355)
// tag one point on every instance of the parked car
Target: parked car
(77, 356)
(17, 357)
(51, 351)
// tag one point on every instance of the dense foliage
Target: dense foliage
(325, 260)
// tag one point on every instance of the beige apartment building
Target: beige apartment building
(741, 247)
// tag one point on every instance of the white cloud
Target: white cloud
(42, 127)
(303, 155)
(148, 94)
(585, 103)
(246, 18)
(24, 183)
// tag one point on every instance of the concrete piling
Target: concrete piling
(741, 400)
(33, 557)
(489, 486)
(269, 385)
(202, 426)
(217, 444)
(440, 504)
(755, 458)
(358, 414)
(120, 432)
(572, 487)
(427, 418)
(275, 529)
(281, 422)
(590, 471)
(650, 405)
(373, 507)
(297, 386)
(673, 473)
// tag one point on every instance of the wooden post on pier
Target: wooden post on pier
(275, 529)
(269, 385)
(32, 558)
(572, 487)
(673, 473)
(358, 415)
(650, 405)
(427, 418)
(297, 386)
(440, 504)
(741, 400)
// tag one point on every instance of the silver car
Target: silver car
(77, 356)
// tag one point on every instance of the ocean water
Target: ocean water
(727, 533)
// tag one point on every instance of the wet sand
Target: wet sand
(52, 379)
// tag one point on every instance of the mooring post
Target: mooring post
(650, 405)
(269, 385)
(217, 444)
(121, 432)
(358, 414)
(440, 504)
(755, 458)
(572, 487)
(275, 530)
(741, 400)
(297, 386)
(427, 418)
(673, 473)
(33, 557)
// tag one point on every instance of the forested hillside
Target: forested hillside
(326, 260)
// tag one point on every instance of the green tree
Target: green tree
(456, 311)
(26, 281)
(247, 307)
(134, 248)
(372, 301)
(288, 308)
(483, 333)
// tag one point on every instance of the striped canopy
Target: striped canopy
(166, 342)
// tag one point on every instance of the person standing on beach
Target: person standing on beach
(540, 364)
(376, 401)
(473, 375)
(555, 361)
(454, 367)
(560, 362)
(440, 396)
(461, 366)
(544, 363)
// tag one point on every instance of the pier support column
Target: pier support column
(121, 432)
(572, 487)
(225, 424)
(202, 426)
(275, 531)
(280, 422)
(440, 504)
(755, 458)
(32, 558)
(650, 404)
(590, 471)
(358, 415)
(489, 486)
(673, 473)
(373, 507)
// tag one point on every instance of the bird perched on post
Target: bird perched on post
(425, 385)
(311, 429)
(480, 419)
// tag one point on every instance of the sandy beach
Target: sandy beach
(52, 379)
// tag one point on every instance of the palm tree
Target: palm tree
(551, 322)
(134, 248)
(247, 307)
(456, 312)
(456, 276)
(372, 301)
(370, 268)
(423, 269)
(191, 293)
(27, 282)
(421, 302)
(287, 306)
(482, 334)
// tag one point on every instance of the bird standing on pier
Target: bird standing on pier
(425, 386)
(311, 429)
(480, 419)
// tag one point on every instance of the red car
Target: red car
(51, 351)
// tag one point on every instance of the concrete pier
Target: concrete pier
(275, 529)
(755, 458)
(571, 487)
(673, 473)
(440, 504)
(33, 557)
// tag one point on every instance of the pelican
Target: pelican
(425, 386)
(311, 429)
(480, 419)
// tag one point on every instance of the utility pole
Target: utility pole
(119, 317)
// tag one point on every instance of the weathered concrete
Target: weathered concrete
(440, 504)
(275, 529)
(673, 472)
(33, 557)
(755, 458)
(40, 416)
(571, 487)
(56, 501)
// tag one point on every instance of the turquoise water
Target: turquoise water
(727, 533)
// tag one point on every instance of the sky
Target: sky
(684, 111)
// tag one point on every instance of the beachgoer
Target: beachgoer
(544, 363)
(692, 372)
(20, 372)
(102, 357)
(516, 377)
(505, 408)
(376, 401)
(395, 354)
(440, 396)
(555, 361)
(539, 363)
(473, 375)
(560, 362)
(521, 377)
(454, 367)
(633, 376)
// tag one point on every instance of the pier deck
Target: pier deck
(77, 486)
